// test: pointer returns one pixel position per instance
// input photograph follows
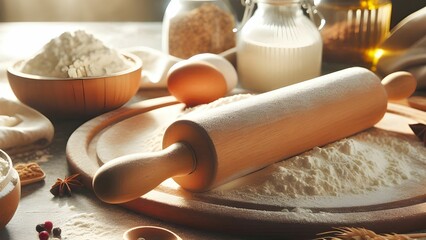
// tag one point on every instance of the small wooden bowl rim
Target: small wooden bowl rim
(137, 64)
(151, 231)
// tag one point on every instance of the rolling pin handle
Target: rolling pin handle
(131, 176)
(399, 85)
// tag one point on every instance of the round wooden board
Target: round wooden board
(240, 217)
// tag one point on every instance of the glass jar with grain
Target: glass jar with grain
(191, 27)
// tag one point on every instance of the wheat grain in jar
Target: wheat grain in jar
(191, 27)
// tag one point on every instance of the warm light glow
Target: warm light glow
(375, 56)
(378, 53)
(369, 4)
(171, 184)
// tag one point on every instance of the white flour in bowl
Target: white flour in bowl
(7, 180)
(4, 168)
(73, 55)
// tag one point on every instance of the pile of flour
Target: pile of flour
(362, 163)
(73, 55)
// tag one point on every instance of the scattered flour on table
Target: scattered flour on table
(73, 55)
(89, 226)
(37, 156)
(110, 224)
(355, 165)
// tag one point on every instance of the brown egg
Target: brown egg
(196, 82)
(399, 85)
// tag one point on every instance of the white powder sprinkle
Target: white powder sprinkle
(87, 226)
(38, 156)
(363, 163)
(73, 55)
(100, 225)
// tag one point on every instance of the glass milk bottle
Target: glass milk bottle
(278, 46)
(191, 27)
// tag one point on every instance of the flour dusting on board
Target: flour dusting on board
(356, 165)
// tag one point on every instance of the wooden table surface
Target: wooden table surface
(21, 40)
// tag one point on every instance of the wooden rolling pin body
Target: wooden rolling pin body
(211, 148)
(242, 137)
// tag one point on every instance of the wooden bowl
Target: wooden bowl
(10, 192)
(76, 98)
(150, 232)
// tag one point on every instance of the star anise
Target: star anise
(419, 130)
(64, 187)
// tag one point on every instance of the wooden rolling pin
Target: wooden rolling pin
(211, 148)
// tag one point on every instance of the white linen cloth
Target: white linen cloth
(23, 128)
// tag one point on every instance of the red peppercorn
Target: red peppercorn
(48, 225)
(43, 235)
